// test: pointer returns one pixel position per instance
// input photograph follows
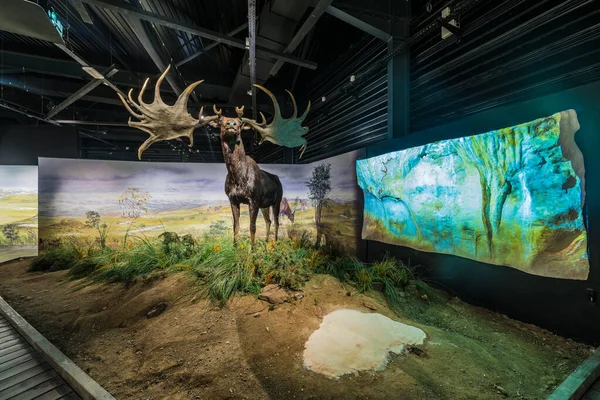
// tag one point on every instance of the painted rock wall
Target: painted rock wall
(509, 197)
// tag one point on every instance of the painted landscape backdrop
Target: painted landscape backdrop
(510, 197)
(80, 198)
(18, 211)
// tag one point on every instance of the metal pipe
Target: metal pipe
(252, 52)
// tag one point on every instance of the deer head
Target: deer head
(230, 128)
(162, 121)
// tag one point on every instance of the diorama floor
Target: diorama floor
(249, 351)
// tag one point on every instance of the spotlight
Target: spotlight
(352, 78)
(249, 92)
(323, 99)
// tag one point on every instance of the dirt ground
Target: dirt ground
(247, 351)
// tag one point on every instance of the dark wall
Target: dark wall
(562, 306)
(23, 144)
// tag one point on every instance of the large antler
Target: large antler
(162, 121)
(281, 131)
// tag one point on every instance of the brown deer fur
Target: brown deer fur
(246, 183)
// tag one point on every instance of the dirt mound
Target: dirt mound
(250, 350)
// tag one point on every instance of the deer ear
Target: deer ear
(246, 127)
(214, 123)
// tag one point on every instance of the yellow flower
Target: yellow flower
(217, 248)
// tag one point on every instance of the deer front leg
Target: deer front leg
(235, 210)
(265, 213)
(253, 215)
(276, 210)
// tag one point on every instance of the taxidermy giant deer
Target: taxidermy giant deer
(246, 183)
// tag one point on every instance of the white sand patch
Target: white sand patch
(350, 341)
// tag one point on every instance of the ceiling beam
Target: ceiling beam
(314, 16)
(72, 70)
(93, 72)
(26, 112)
(138, 29)
(129, 10)
(357, 23)
(212, 45)
(88, 87)
(85, 16)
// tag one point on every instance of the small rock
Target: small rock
(500, 390)
(274, 294)
(157, 310)
(256, 315)
(415, 350)
(369, 305)
(267, 329)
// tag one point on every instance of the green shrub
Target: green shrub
(56, 259)
(226, 270)
(83, 268)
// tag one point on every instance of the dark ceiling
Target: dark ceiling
(37, 75)
(509, 50)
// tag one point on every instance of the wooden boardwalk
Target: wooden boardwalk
(24, 374)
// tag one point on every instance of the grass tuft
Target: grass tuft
(226, 270)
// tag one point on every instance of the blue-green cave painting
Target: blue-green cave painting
(512, 197)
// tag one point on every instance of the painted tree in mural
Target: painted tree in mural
(319, 186)
(133, 202)
(10, 232)
(92, 219)
(497, 159)
(394, 168)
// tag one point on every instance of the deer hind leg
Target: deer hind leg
(235, 210)
(253, 214)
(265, 213)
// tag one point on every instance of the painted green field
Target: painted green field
(213, 219)
(18, 220)
(16, 208)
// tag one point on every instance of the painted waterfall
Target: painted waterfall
(512, 197)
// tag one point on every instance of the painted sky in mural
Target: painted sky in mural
(510, 197)
(181, 197)
(72, 187)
